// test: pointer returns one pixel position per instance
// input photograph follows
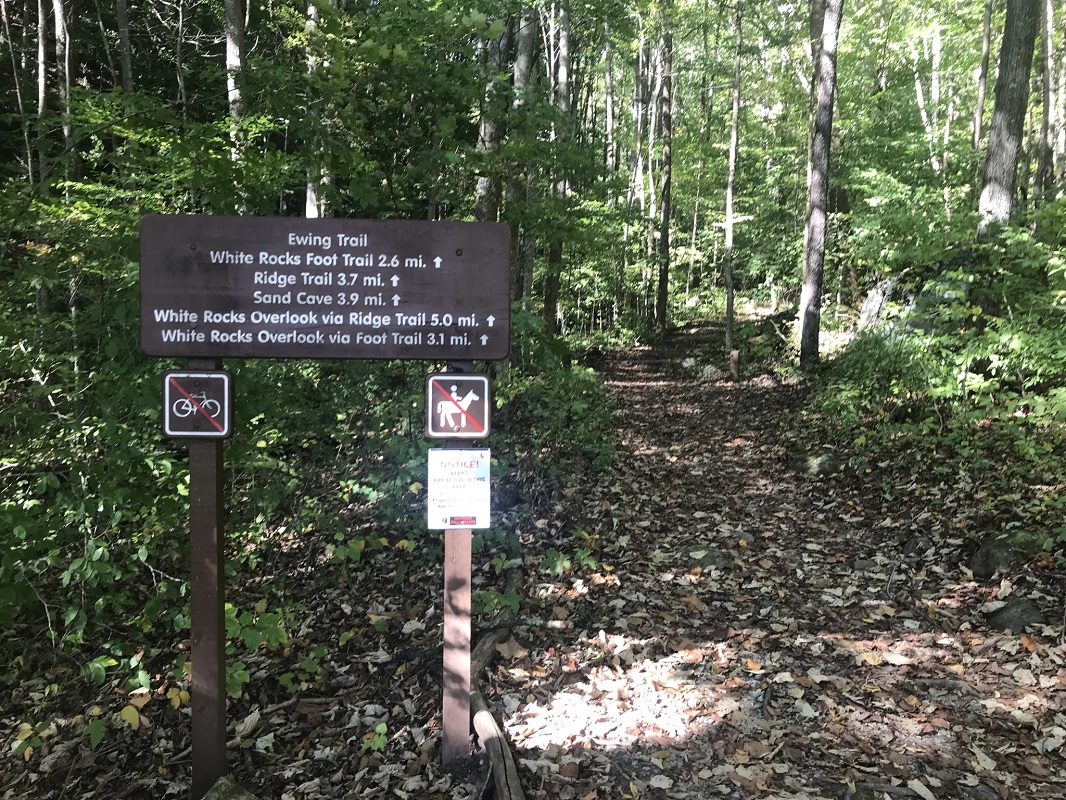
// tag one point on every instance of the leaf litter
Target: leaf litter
(737, 628)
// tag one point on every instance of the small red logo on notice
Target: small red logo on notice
(462, 520)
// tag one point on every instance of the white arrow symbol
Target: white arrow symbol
(395, 281)
(492, 320)
(395, 299)
(437, 262)
(484, 340)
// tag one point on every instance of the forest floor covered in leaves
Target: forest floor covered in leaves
(710, 619)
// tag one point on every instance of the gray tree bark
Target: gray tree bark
(982, 78)
(1045, 147)
(517, 193)
(24, 119)
(125, 49)
(662, 296)
(564, 105)
(824, 85)
(490, 128)
(734, 146)
(1008, 114)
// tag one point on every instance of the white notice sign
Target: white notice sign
(458, 489)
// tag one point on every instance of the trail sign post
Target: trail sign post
(251, 287)
(207, 607)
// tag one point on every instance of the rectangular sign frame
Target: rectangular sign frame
(458, 405)
(288, 287)
(197, 405)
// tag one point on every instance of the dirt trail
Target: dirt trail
(719, 623)
(749, 630)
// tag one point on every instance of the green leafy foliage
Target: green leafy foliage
(964, 382)
(376, 739)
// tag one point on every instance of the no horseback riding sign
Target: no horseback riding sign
(457, 406)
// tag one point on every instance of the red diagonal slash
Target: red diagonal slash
(198, 407)
(448, 396)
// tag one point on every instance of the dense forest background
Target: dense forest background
(655, 162)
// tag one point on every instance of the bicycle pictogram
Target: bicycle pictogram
(195, 403)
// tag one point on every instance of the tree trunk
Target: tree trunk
(125, 49)
(636, 200)
(1059, 158)
(24, 120)
(490, 128)
(517, 193)
(563, 105)
(179, 66)
(734, 144)
(63, 62)
(610, 156)
(107, 44)
(234, 56)
(706, 103)
(1045, 150)
(1008, 114)
(982, 78)
(824, 84)
(315, 203)
(662, 297)
(42, 88)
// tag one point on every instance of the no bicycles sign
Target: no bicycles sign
(197, 405)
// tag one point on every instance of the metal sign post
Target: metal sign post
(207, 582)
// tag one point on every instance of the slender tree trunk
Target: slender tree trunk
(125, 49)
(706, 101)
(929, 110)
(1008, 114)
(518, 195)
(611, 165)
(179, 65)
(662, 297)
(654, 120)
(42, 88)
(1045, 149)
(315, 203)
(24, 119)
(564, 106)
(490, 128)
(234, 56)
(1060, 119)
(107, 44)
(982, 77)
(824, 84)
(63, 62)
(610, 156)
(635, 197)
(734, 146)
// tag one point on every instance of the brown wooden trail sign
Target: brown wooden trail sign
(286, 287)
(251, 287)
